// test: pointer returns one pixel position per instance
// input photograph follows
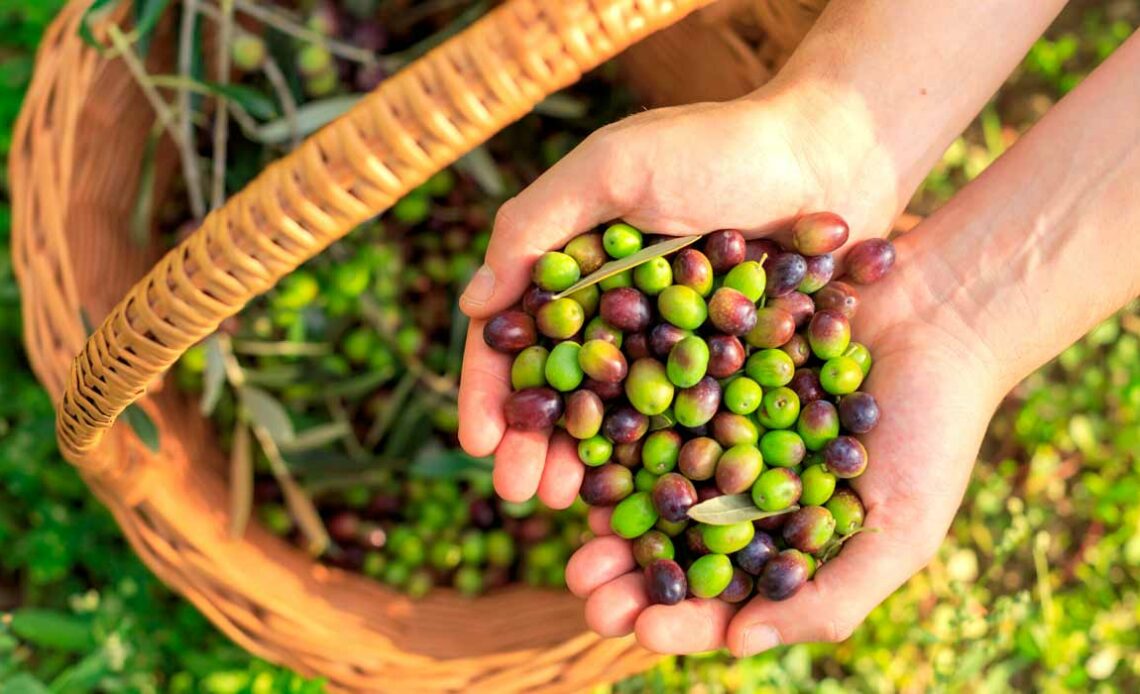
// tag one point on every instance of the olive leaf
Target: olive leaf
(241, 479)
(143, 426)
(142, 211)
(147, 14)
(214, 376)
(309, 118)
(434, 461)
(316, 437)
(836, 543)
(481, 166)
(268, 413)
(731, 508)
(615, 267)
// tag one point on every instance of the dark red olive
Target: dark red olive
(510, 332)
(533, 409)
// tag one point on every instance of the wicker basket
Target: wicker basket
(74, 166)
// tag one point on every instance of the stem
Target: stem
(222, 119)
(138, 71)
(287, 25)
(288, 104)
(190, 169)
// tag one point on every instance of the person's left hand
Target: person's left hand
(937, 388)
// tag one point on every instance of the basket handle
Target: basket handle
(414, 124)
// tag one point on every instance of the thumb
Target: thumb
(572, 197)
(829, 607)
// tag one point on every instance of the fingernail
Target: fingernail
(481, 287)
(760, 638)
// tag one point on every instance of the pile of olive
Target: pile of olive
(714, 394)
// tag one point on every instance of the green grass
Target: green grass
(1035, 587)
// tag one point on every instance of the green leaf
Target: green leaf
(24, 683)
(251, 100)
(562, 106)
(53, 629)
(214, 376)
(94, 12)
(316, 437)
(479, 165)
(311, 117)
(437, 462)
(615, 267)
(147, 14)
(143, 210)
(729, 509)
(268, 413)
(143, 426)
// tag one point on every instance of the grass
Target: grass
(1036, 586)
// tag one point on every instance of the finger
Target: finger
(834, 602)
(599, 519)
(613, 608)
(572, 197)
(598, 562)
(692, 626)
(519, 460)
(562, 475)
(483, 390)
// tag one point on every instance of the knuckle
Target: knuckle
(620, 185)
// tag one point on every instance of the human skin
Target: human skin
(841, 129)
(984, 292)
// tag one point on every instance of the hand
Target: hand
(752, 164)
(936, 388)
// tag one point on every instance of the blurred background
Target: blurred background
(1036, 586)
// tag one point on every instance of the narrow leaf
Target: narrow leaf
(481, 166)
(147, 14)
(259, 348)
(836, 543)
(268, 413)
(143, 426)
(214, 376)
(562, 106)
(276, 376)
(615, 267)
(94, 12)
(437, 462)
(143, 211)
(241, 479)
(316, 437)
(310, 118)
(249, 99)
(729, 509)
(52, 629)
(300, 505)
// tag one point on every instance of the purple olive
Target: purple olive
(535, 298)
(726, 356)
(739, 588)
(625, 425)
(798, 304)
(725, 249)
(665, 582)
(673, 496)
(809, 529)
(765, 249)
(698, 458)
(774, 327)
(733, 313)
(783, 575)
(819, 233)
(636, 346)
(605, 390)
(692, 269)
(584, 413)
(870, 261)
(785, 272)
(798, 348)
(837, 296)
(858, 412)
(533, 409)
(805, 384)
(510, 332)
(626, 309)
(845, 457)
(606, 485)
(663, 336)
(756, 553)
(820, 269)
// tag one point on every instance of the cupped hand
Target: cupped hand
(753, 164)
(936, 388)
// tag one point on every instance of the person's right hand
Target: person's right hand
(753, 164)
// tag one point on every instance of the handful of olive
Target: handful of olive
(714, 394)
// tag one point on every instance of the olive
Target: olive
(845, 457)
(829, 334)
(688, 362)
(510, 332)
(739, 588)
(561, 318)
(633, 515)
(626, 309)
(709, 575)
(663, 336)
(784, 574)
(599, 329)
(860, 355)
(820, 269)
(588, 298)
(837, 296)
(665, 582)
(738, 468)
(870, 260)
(847, 510)
(748, 278)
(653, 276)
(742, 395)
(818, 233)
(785, 272)
(616, 281)
(643, 480)
(806, 385)
(602, 361)
(762, 250)
(648, 387)
(584, 413)
(725, 249)
(733, 429)
(692, 269)
(776, 489)
(799, 305)
(698, 458)
(809, 529)
(562, 370)
(588, 251)
(771, 368)
(726, 355)
(731, 312)
(533, 409)
(696, 406)
(818, 483)
(798, 349)
(858, 412)
(606, 485)
(621, 240)
(529, 368)
(637, 346)
(556, 271)
(682, 306)
(535, 298)
(651, 546)
(841, 376)
(661, 451)
(605, 391)
(756, 553)
(629, 454)
(779, 409)
(726, 539)
(673, 496)
(818, 424)
(782, 448)
(774, 327)
(624, 425)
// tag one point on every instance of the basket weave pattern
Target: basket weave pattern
(74, 173)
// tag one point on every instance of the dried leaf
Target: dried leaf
(214, 376)
(316, 437)
(615, 267)
(268, 413)
(241, 479)
(729, 509)
(143, 426)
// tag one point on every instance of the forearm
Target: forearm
(1046, 243)
(896, 80)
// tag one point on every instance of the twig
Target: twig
(138, 71)
(222, 120)
(287, 25)
(190, 169)
(284, 95)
